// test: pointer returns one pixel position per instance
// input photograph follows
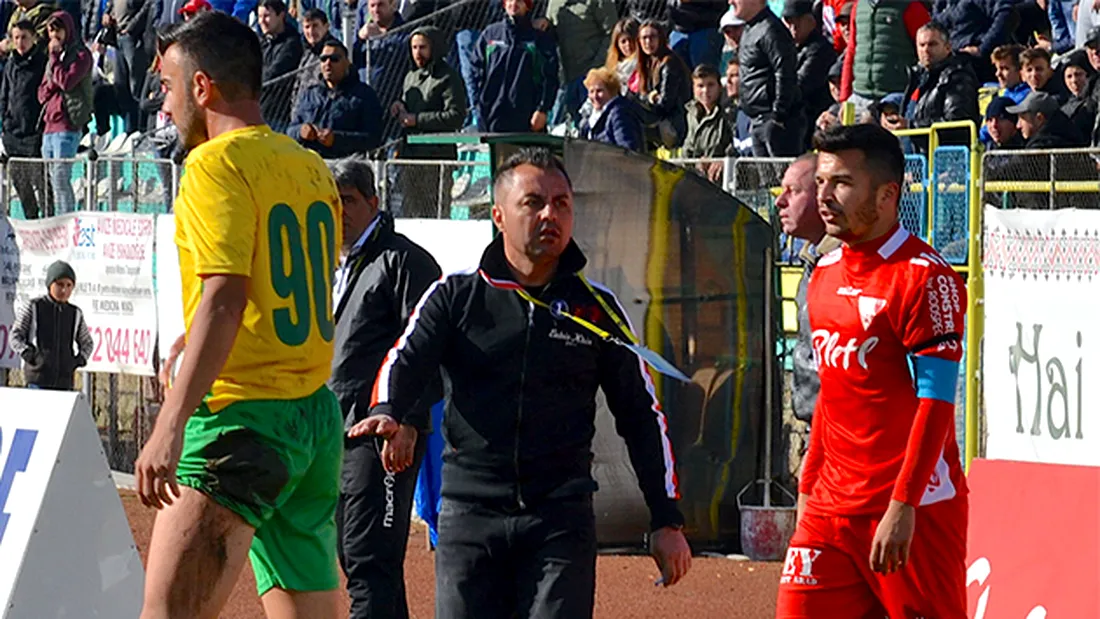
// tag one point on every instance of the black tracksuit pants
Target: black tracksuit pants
(373, 521)
(536, 563)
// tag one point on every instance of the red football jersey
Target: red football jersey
(873, 309)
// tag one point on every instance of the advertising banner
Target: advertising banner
(112, 255)
(1042, 282)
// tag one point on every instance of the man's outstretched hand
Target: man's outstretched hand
(375, 425)
(670, 550)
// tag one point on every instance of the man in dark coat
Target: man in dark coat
(433, 101)
(515, 71)
(19, 112)
(282, 51)
(341, 116)
(942, 87)
(816, 56)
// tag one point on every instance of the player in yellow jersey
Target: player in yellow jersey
(245, 457)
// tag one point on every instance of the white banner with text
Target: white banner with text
(112, 256)
(1042, 284)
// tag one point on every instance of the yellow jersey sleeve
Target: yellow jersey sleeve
(219, 228)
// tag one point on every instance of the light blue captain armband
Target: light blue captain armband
(936, 378)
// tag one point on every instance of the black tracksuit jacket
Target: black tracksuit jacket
(521, 385)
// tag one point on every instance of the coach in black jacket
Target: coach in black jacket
(517, 534)
(382, 276)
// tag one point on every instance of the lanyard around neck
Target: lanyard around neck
(654, 360)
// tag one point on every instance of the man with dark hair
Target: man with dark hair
(340, 116)
(515, 73)
(1001, 126)
(815, 58)
(381, 277)
(66, 97)
(388, 53)
(128, 21)
(516, 531)
(19, 114)
(710, 133)
(316, 32)
(883, 453)
(245, 456)
(769, 82)
(282, 50)
(433, 101)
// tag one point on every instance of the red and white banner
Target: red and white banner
(112, 255)
(1033, 541)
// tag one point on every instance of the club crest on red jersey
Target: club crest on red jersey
(869, 307)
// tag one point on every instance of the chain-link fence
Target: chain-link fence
(1041, 179)
(459, 189)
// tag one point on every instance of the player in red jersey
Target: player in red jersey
(882, 497)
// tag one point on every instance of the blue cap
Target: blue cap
(998, 108)
(895, 99)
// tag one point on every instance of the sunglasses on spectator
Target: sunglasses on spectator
(332, 58)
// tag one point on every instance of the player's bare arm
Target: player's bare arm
(213, 331)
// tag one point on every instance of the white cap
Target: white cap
(730, 19)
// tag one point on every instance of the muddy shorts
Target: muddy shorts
(276, 464)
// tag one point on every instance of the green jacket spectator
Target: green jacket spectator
(584, 33)
(709, 134)
(433, 95)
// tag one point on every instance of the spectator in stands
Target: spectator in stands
(881, 48)
(1006, 66)
(742, 124)
(661, 86)
(282, 51)
(622, 51)
(1062, 24)
(468, 26)
(193, 8)
(49, 333)
(710, 133)
(835, 15)
(434, 101)
(1088, 17)
(769, 82)
(815, 57)
(1080, 108)
(695, 35)
(732, 28)
(316, 33)
(128, 22)
(831, 116)
(646, 10)
(1043, 125)
(383, 54)
(976, 27)
(515, 71)
(36, 12)
(1001, 124)
(19, 112)
(1038, 74)
(890, 112)
(584, 32)
(613, 118)
(66, 96)
(341, 116)
(942, 87)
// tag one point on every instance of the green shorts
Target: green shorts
(276, 464)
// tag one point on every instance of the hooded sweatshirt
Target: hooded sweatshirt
(66, 71)
(436, 94)
(515, 67)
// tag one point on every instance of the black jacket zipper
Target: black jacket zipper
(519, 413)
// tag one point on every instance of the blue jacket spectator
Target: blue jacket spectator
(515, 69)
(341, 116)
(1062, 26)
(616, 121)
(983, 24)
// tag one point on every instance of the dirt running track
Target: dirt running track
(715, 588)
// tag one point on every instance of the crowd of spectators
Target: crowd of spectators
(698, 78)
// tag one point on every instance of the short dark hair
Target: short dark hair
(354, 172)
(538, 156)
(1032, 54)
(56, 23)
(704, 71)
(315, 15)
(881, 149)
(733, 61)
(276, 6)
(25, 25)
(222, 47)
(337, 44)
(937, 27)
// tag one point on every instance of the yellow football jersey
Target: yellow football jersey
(253, 202)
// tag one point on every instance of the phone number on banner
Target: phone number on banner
(122, 345)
